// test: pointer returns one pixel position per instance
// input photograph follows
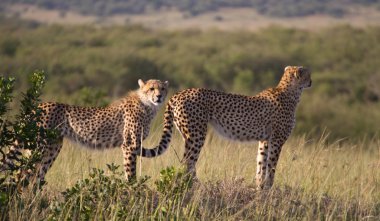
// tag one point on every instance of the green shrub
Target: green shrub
(102, 196)
(173, 187)
(106, 195)
(173, 182)
(22, 140)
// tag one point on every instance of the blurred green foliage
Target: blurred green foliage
(284, 8)
(91, 97)
(108, 61)
(9, 46)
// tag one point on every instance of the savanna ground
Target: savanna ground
(314, 180)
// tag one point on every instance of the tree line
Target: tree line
(284, 8)
(91, 66)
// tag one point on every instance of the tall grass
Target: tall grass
(314, 180)
(311, 164)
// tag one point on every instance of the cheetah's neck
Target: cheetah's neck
(292, 94)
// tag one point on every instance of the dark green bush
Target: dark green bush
(173, 182)
(22, 141)
(173, 186)
(102, 196)
(106, 195)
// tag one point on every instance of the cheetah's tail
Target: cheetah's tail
(165, 139)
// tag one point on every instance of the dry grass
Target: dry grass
(314, 180)
(311, 164)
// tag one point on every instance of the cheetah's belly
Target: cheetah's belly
(96, 139)
(242, 131)
(102, 134)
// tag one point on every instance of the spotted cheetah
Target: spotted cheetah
(268, 117)
(123, 123)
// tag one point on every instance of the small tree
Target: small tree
(22, 141)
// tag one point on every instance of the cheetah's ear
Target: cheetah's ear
(166, 83)
(299, 72)
(287, 68)
(141, 83)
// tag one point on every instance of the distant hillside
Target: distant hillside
(283, 8)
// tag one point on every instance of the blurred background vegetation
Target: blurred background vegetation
(93, 65)
(284, 8)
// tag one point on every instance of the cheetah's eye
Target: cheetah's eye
(151, 89)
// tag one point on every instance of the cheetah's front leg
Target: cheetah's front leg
(274, 150)
(129, 162)
(129, 147)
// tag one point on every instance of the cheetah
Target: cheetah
(125, 123)
(268, 117)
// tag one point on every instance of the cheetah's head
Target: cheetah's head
(153, 91)
(299, 76)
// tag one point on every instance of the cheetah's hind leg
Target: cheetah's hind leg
(194, 141)
(49, 155)
(262, 164)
